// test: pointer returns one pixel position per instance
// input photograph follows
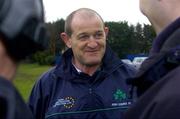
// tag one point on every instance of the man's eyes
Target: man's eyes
(98, 35)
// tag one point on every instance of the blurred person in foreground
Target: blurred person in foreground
(21, 32)
(90, 81)
(158, 80)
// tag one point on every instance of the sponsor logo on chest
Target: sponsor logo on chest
(121, 99)
(67, 102)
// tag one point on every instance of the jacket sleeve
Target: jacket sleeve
(39, 97)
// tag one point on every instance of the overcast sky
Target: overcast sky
(110, 10)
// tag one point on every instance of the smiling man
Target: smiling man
(87, 38)
(90, 81)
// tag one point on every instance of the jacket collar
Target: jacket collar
(66, 69)
(163, 36)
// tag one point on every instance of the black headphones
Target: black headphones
(22, 25)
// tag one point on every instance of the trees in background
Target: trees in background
(130, 39)
(56, 45)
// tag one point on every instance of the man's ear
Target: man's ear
(106, 29)
(66, 39)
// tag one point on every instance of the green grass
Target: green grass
(27, 75)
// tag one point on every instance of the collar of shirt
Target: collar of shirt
(78, 70)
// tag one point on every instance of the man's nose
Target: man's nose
(92, 43)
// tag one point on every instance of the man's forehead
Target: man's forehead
(83, 17)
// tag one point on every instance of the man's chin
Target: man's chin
(93, 63)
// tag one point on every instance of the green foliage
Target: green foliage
(125, 39)
(43, 58)
(149, 35)
(121, 38)
(56, 44)
(27, 75)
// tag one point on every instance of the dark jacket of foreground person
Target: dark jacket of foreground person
(158, 82)
(12, 105)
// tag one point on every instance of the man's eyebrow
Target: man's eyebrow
(99, 31)
(84, 33)
(81, 34)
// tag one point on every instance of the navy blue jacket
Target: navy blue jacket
(63, 93)
(12, 105)
(158, 80)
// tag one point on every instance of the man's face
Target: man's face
(88, 40)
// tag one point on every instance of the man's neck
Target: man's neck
(90, 70)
